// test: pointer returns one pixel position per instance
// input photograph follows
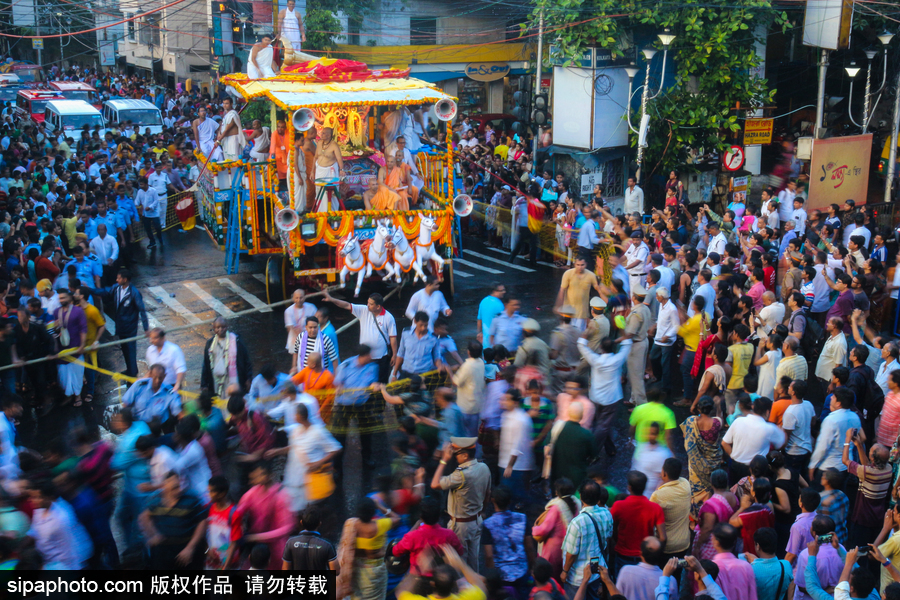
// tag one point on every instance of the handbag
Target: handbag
(548, 450)
(539, 538)
(319, 484)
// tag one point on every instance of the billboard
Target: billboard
(839, 170)
(826, 23)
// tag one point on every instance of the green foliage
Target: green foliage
(320, 21)
(713, 53)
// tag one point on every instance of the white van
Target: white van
(71, 116)
(142, 114)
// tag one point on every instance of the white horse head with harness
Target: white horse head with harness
(404, 254)
(354, 262)
(425, 248)
(378, 256)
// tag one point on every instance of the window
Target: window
(353, 27)
(422, 31)
(130, 28)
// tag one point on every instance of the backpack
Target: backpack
(810, 343)
(874, 397)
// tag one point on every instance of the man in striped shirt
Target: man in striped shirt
(312, 340)
(875, 475)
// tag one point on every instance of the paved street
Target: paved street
(185, 283)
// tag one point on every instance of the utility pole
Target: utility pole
(537, 88)
(37, 28)
(892, 156)
(820, 99)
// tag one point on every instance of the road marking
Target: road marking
(460, 273)
(500, 262)
(498, 250)
(164, 297)
(260, 277)
(110, 324)
(477, 266)
(208, 299)
(253, 300)
(546, 264)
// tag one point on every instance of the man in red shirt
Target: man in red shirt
(255, 434)
(427, 535)
(44, 267)
(634, 519)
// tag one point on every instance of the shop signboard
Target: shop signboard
(758, 131)
(585, 62)
(603, 58)
(487, 71)
(108, 54)
(839, 170)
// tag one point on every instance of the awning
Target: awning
(438, 76)
(291, 92)
(590, 159)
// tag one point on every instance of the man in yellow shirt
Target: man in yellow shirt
(575, 291)
(96, 325)
(740, 353)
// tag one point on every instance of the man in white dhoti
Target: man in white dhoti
(398, 145)
(329, 164)
(290, 25)
(311, 449)
(260, 65)
(205, 133)
(231, 134)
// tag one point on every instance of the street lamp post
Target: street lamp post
(666, 38)
(853, 70)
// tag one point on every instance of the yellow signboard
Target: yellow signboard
(758, 131)
(839, 170)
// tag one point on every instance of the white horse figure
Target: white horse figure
(404, 255)
(378, 256)
(354, 262)
(425, 248)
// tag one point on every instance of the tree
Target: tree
(322, 25)
(713, 54)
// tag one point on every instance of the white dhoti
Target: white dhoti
(292, 29)
(163, 207)
(329, 172)
(206, 131)
(264, 60)
(71, 378)
(233, 145)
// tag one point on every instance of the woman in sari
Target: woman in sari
(363, 573)
(702, 437)
(717, 509)
(550, 528)
(389, 195)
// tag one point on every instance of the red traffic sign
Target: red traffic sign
(734, 158)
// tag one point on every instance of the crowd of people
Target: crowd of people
(761, 324)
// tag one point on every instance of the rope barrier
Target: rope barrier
(119, 342)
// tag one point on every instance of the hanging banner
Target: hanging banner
(839, 170)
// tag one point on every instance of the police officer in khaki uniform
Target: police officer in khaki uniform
(598, 327)
(636, 326)
(469, 489)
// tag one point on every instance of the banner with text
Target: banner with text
(839, 170)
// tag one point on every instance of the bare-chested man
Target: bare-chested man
(329, 162)
(231, 134)
(205, 132)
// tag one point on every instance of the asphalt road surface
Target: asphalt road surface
(184, 282)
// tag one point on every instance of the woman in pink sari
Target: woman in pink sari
(717, 509)
(550, 528)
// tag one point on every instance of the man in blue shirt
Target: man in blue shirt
(490, 307)
(135, 470)
(102, 217)
(88, 270)
(152, 397)
(506, 328)
(353, 400)
(418, 351)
